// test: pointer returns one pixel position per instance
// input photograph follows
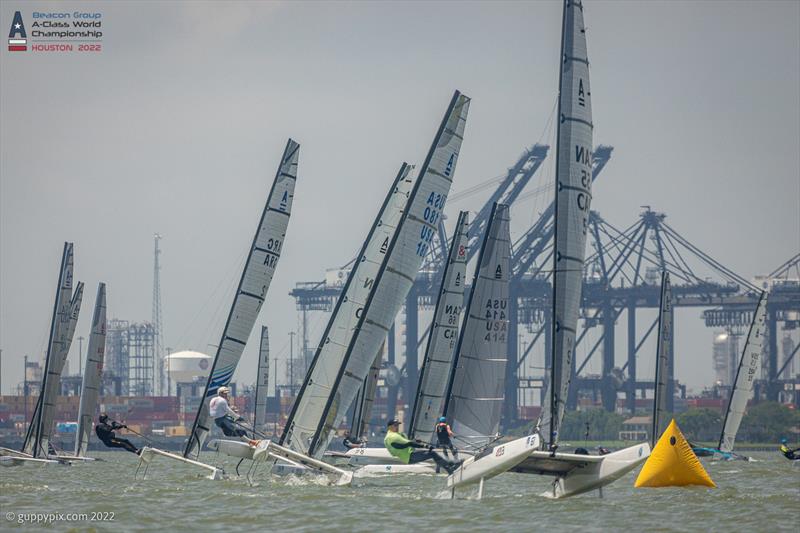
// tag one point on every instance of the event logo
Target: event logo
(17, 38)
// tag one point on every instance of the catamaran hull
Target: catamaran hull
(597, 475)
(232, 448)
(395, 469)
(492, 462)
(9, 457)
(298, 462)
(148, 454)
(371, 456)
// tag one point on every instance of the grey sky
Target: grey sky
(178, 125)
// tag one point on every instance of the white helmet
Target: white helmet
(223, 390)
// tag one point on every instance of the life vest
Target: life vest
(442, 431)
(393, 437)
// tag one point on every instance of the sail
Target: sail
(662, 358)
(363, 408)
(92, 373)
(58, 321)
(475, 400)
(573, 198)
(52, 381)
(309, 405)
(262, 381)
(399, 269)
(262, 260)
(749, 367)
(436, 367)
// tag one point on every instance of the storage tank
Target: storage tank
(184, 367)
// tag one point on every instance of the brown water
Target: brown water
(754, 497)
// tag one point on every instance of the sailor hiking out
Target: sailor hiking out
(402, 447)
(226, 418)
(787, 452)
(443, 435)
(350, 442)
(105, 432)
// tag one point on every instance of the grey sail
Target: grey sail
(475, 400)
(262, 260)
(663, 348)
(573, 199)
(262, 380)
(409, 246)
(366, 398)
(438, 361)
(747, 372)
(58, 325)
(92, 372)
(309, 406)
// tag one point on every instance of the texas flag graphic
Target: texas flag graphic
(17, 38)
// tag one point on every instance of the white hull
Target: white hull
(232, 448)
(269, 450)
(371, 456)
(394, 469)
(492, 462)
(9, 457)
(148, 454)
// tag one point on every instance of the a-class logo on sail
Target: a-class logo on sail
(17, 38)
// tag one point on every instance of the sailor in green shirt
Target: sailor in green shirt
(403, 448)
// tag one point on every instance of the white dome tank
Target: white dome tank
(184, 366)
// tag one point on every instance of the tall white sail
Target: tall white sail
(662, 358)
(262, 260)
(573, 198)
(407, 249)
(319, 382)
(58, 322)
(92, 373)
(749, 367)
(438, 362)
(262, 380)
(475, 400)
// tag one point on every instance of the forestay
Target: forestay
(406, 251)
(262, 260)
(438, 361)
(92, 373)
(573, 198)
(663, 348)
(59, 324)
(262, 380)
(308, 409)
(749, 368)
(475, 399)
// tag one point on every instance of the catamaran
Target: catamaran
(537, 453)
(37, 447)
(748, 369)
(374, 292)
(265, 251)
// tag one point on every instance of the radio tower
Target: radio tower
(158, 323)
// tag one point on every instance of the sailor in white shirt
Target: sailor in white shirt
(225, 418)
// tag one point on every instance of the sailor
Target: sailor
(351, 442)
(105, 432)
(401, 447)
(788, 452)
(443, 434)
(226, 418)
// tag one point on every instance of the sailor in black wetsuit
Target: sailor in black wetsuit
(351, 442)
(105, 432)
(443, 434)
(789, 453)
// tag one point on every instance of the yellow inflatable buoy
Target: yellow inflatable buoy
(673, 463)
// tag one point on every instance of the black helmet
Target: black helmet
(103, 417)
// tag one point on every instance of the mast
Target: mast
(262, 260)
(93, 371)
(474, 397)
(262, 381)
(662, 357)
(749, 366)
(571, 210)
(440, 351)
(408, 247)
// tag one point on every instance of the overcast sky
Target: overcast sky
(177, 127)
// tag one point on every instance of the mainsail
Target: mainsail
(262, 381)
(436, 367)
(749, 367)
(58, 328)
(475, 398)
(662, 358)
(319, 382)
(573, 198)
(262, 260)
(362, 410)
(92, 373)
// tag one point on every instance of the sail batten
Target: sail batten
(475, 398)
(440, 350)
(571, 211)
(259, 269)
(746, 373)
(92, 372)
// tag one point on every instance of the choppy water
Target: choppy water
(756, 496)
